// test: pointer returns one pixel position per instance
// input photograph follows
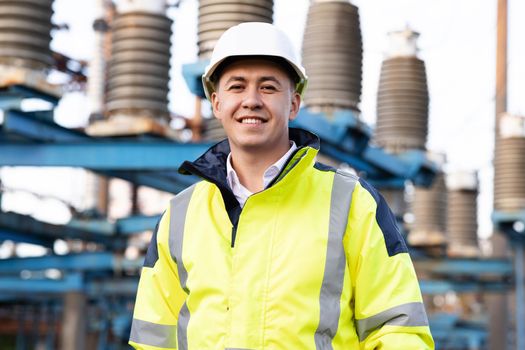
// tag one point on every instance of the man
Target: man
(272, 250)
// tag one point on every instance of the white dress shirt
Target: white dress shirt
(241, 192)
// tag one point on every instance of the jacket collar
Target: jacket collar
(212, 164)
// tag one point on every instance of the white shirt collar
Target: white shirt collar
(241, 192)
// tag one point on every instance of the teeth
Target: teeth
(251, 121)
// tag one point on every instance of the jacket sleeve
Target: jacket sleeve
(388, 308)
(159, 295)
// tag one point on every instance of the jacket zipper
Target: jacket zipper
(234, 234)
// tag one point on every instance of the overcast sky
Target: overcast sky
(457, 43)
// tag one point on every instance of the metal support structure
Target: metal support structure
(346, 139)
(520, 296)
(498, 307)
(513, 226)
(33, 231)
(34, 139)
(73, 322)
(98, 261)
(102, 155)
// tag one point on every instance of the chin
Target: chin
(253, 144)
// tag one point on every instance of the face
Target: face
(254, 100)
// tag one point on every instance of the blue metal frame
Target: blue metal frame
(192, 73)
(436, 286)
(21, 127)
(32, 230)
(449, 332)
(512, 224)
(479, 268)
(125, 226)
(96, 261)
(38, 126)
(507, 222)
(9, 235)
(102, 155)
(71, 282)
(346, 139)
(20, 92)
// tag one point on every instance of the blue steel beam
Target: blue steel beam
(23, 126)
(15, 288)
(171, 182)
(343, 136)
(479, 268)
(343, 128)
(135, 224)
(124, 226)
(192, 73)
(346, 139)
(71, 282)
(511, 223)
(23, 92)
(459, 338)
(38, 127)
(27, 226)
(9, 235)
(97, 261)
(431, 287)
(102, 155)
(124, 287)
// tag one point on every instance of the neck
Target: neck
(251, 165)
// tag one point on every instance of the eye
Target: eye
(235, 87)
(269, 88)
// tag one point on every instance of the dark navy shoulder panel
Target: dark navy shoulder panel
(324, 167)
(152, 254)
(386, 220)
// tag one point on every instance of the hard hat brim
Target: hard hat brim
(210, 78)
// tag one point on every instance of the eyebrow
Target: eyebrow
(260, 80)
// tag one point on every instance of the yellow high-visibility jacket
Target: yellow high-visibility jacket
(315, 261)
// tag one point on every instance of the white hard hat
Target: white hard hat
(253, 39)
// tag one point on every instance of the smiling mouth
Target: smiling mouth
(251, 120)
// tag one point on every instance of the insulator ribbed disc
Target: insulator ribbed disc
(135, 79)
(139, 33)
(146, 92)
(138, 70)
(509, 167)
(260, 3)
(332, 54)
(402, 105)
(141, 20)
(462, 223)
(154, 58)
(218, 15)
(25, 33)
(430, 212)
(213, 130)
(136, 106)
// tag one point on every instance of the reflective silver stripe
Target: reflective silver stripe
(332, 286)
(407, 315)
(178, 210)
(152, 334)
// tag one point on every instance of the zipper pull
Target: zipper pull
(234, 234)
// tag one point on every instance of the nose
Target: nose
(252, 99)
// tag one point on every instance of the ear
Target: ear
(294, 106)
(215, 105)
